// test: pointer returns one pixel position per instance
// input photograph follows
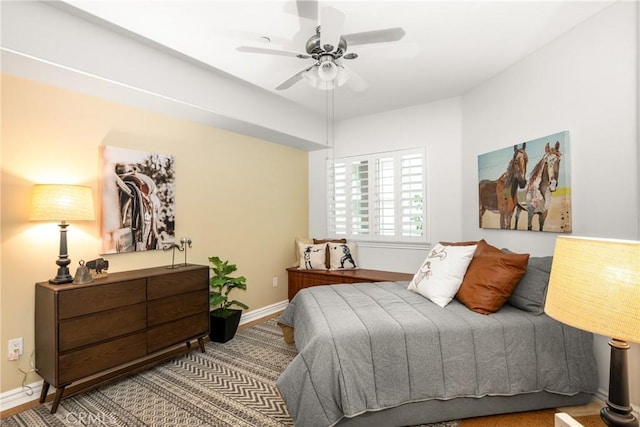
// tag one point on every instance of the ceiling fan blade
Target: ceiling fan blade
(253, 49)
(293, 79)
(376, 36)
(307, 9)
(355, 82)
(331, 26)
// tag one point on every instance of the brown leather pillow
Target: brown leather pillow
(491, 278)
(327, 261)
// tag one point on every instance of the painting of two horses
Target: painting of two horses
(526, 186)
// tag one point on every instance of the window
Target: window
(378, 196)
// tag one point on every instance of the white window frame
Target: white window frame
(347, 224)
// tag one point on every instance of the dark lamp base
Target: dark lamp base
(612, 418)
(617, 413)
(60, 279)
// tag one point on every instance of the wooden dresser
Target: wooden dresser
(83, 330)
(300, 279)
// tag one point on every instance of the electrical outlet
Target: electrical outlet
(275, 281)
(15, 348)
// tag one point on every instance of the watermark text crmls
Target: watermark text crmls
(89, 418)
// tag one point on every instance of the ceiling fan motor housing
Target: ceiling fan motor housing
(314, 48)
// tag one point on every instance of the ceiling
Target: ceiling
(449, 48)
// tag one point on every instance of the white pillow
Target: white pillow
(441, 273)
(342, 256)
(312, 257)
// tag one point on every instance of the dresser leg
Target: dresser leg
(45, 390)
(188, 344)
(201, 344)
(57, 398)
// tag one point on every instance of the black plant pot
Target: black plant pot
(222, 329)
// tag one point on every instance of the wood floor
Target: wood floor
(588, 415)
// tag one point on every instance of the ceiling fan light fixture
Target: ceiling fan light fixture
(327, 70)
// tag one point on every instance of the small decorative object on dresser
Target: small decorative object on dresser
(98, 267)
(182, 247)
(82, 274)
(223, 320)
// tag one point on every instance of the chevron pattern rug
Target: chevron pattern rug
(231, 385)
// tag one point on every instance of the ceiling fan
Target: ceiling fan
(328, 47)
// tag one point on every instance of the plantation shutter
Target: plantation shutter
(377, 197)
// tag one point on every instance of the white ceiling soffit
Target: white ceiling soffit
(41, 42)
(456, 45)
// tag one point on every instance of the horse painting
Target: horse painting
(500, 196)
(542, 182)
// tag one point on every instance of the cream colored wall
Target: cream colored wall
(237, 197)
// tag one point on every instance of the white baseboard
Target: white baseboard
(259, 313)
(18, 396)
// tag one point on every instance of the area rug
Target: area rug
(231, 385)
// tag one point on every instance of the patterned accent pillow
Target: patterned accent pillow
(441, 273)
(342, 256)
(318, 241)
(296, 249)
(312, 257)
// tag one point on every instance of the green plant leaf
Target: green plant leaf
(221, 284)
(238, 303)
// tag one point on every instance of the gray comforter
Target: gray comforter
(368, 347)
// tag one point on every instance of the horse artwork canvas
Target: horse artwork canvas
(138, 212)
(500, 195)
(545, 198)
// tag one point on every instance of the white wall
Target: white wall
(585, 82)
(436, 126)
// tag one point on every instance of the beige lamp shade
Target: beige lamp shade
(58, 202)
(595, 286)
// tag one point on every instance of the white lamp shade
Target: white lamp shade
(59, 202)
(595, 286)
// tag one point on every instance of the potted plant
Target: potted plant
(223, 320)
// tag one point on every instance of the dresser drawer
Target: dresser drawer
(174, 284)
(101, 326)
(177, 332)
(171, 308)
(96, 298)
(83, 363)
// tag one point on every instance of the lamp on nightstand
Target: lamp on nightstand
(595, 286)
(59, 202)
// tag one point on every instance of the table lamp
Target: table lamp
(59, 202)
(595, 286)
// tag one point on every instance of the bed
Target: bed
(379, 354)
